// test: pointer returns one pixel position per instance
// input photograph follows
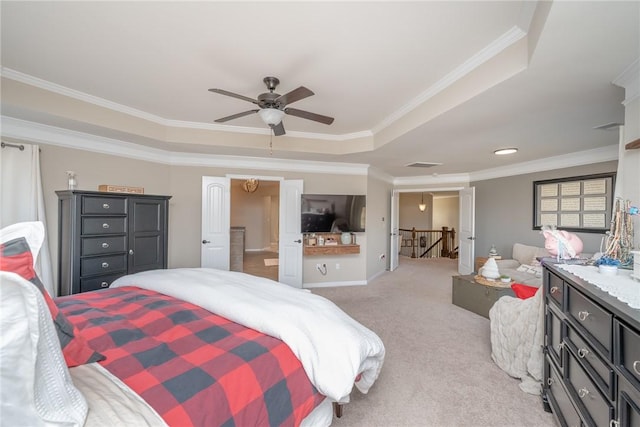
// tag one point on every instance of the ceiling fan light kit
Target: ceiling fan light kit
(271, 116)
(272, 106)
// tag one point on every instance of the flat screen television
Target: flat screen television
(335, 213)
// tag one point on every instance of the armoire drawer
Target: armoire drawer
(103, 225)
(589, 358)
(102, 245)
(102, 205)
(96, 283)
(590, 318)
(103, 265)
(587, 393)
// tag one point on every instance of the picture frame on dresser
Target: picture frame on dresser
(105, 235)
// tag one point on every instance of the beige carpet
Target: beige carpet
(438, 369)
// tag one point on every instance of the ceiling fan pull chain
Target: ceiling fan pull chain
(271, 142)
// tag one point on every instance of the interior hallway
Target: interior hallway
(254, 264)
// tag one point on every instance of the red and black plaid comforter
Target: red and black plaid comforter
(193, 367)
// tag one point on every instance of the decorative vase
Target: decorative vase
(345, 238)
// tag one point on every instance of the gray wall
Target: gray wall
(504, 210)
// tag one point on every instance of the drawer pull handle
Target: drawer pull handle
(549, 381)
(105, 265)
(636, 366)
(583, 392)
(104, 285)
(582, 353)
(105, 245)
(105, 225)
(582, 315)
(554, 289)
(105, 205)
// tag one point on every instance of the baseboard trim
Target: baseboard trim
(334, 284)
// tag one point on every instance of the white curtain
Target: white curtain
(22, 199)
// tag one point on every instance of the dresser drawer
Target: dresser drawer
(554, 335)
(102, 245)
(587, 394)
(629, 360)
(601, 372)
(559, 400)
(104, 205)
(590, 318)
(103, 265)
(555, 288)
(97, 283)
(103, 225)
(628, 404)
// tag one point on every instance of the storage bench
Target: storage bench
(474, 296)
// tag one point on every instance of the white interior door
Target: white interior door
(395, 231)
(467, 230)
(290, 243)
(216, 208)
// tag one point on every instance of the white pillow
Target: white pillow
(33, 232)
(37, 389)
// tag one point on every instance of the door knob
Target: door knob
(204, 242)
(297, 241)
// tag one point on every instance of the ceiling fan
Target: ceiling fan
(273, 106)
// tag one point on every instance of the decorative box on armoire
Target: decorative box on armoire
(103, 236)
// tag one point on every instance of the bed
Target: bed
(175, 347)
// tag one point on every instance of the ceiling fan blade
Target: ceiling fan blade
(293, 96)
(234, 95)
(310, 116)
(278, 130)
(235, 116)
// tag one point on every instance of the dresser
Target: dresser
(103, 236)
(592, 353)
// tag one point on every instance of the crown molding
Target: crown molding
(382, 176)
(580, 158)
(101, 102)
(494, 48)
(629, 79)
(484, 55)
(452, 178)
(51, 135)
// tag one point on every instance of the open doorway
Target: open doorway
(254, 236)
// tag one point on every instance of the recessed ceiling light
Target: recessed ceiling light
(504, 151)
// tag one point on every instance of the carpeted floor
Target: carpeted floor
(438, 369)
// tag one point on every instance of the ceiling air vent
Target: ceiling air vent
(422, 164)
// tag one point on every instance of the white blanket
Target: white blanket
(332, 347)
(517, 332)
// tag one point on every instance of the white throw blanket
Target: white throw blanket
(332, 347)
(517, 334)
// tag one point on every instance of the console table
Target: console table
(592, 353)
